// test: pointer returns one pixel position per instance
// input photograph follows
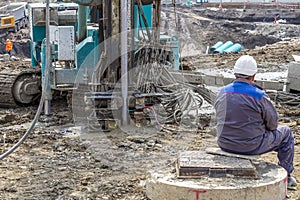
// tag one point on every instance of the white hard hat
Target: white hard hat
(245, 65)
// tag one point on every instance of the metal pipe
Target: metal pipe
(132, 36)
(156, 20)
(222, 48)
(141, 12)
(47, 99)
(215, 46)
(47, 107)
(82, 23)
(109, 18)
(101, 24)
(124, 61)
(234, 48)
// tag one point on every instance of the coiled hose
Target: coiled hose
(180, 100)
(285, 98)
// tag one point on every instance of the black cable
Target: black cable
(35, 119)
(285, 98)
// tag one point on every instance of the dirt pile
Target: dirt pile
(271, 44)
(291, 16)
(270, 58)
(21, 43)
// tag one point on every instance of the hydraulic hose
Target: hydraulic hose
(29, 130)
(33, 122)
(285, 98)
(35, 119)
(42, 100)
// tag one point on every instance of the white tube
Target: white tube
(124, 61)
(47, 101)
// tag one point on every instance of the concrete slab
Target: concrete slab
(163, 184)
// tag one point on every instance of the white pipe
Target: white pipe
(47, 101)
(124, 61)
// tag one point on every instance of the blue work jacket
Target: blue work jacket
(244, 113)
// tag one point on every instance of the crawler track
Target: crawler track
(10, 92)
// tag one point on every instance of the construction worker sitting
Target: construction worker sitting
(8, 46)
(247, 121)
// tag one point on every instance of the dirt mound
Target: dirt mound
(252, 14)
(21, 43)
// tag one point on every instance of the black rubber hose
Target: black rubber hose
(32, 125)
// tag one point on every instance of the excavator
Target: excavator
(112, 59)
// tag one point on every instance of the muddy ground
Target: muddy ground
(55, 163)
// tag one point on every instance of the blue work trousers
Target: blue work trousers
(280, 140)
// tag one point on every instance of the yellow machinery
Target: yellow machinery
(14, 16)
(7, 22)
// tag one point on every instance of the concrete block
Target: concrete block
(271, 183)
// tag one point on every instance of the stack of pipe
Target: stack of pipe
(227, 47)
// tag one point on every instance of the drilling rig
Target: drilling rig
(110, 56)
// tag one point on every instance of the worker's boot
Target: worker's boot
(292, 183)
